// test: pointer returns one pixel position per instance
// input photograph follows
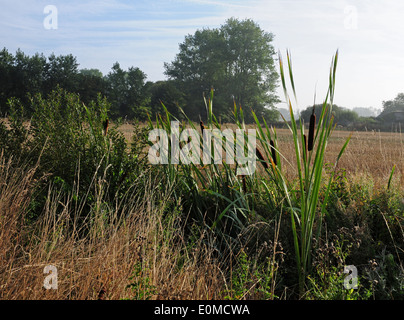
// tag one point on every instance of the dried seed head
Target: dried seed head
(106, 123)
(273, 151)
(261, 158)
(101, 294)
(202, 126)
(312, 127)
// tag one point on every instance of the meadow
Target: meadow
(370, 154)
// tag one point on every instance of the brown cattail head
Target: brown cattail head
(273, 151)
(101, 294)
(106, 123)
(312, 127)
(202, 126)
(261, 158)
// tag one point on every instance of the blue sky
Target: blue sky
(368, 33)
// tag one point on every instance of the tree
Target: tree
(394, 105)
(61, 71)
(90, 83)
(6, 78)
(91, 72)
(167, 93)
(236, 60)
(342, 116)
(126, 92)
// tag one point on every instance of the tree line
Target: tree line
(24, 76)
(236, 60)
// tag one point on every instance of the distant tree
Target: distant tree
(61, 71)
(366, 112)
(342, 116)
(20, 75)
(6, 78)
(90, 83)
(167, 93)
(29, 73)
(237, 60)
(91, 72)
(397, 104)
(126, 92)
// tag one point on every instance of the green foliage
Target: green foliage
(397, 104)
(14, 138)
(342, 116)
(140, 285)
(303, 197)
(68, 140)
(22, 75)
(167, 93)
(251, 279)
(215, 197)
(386, 277)
(327, 279)
(126, 92)
(236, 60)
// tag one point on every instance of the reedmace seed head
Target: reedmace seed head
(202, 126)
(273, 151)
(312, 128)
(261, 158)
(106, 123)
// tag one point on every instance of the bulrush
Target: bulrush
(106, 122)
(202, 127)
(312, 127)
(261, 158)
(273, 151)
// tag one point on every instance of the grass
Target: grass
(387, 151)
(107, 258)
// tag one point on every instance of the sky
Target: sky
(368, 34)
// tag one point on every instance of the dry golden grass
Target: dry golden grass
(102, 263)
(369, 155)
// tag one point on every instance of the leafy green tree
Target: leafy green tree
(20, 75)
(167, 93)
(236, 60)
(61, 71)
(397, 104)
(342, 116)
(6, 78)
(126, 92)
(90, 83)
(91, 72)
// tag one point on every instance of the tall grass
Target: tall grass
(139, 255)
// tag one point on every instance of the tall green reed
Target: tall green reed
(303, 199)
(215, 196)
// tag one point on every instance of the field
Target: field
(370, 155)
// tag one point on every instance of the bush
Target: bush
(74, 148)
